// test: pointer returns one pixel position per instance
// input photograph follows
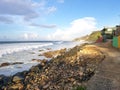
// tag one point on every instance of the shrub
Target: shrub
(80, 88)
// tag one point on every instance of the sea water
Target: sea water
(24, 52)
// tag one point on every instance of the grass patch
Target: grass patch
(94, 36)
(79, 88)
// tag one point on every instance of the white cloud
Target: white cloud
(51, 9)
(30, 36)
(78, 28)
(6, 20)
(25, 9)
(44, 25)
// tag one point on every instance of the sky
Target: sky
(22, 20)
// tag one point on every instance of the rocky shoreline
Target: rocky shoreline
(67, 71)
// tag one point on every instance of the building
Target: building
(116, 37)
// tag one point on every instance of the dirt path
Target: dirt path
(107, 76)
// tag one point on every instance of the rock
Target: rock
(37, 60)
(32, 52)
(5, 64)
(81, 73)
(38, 67)
(41, 50)
(28, 86)
(43, 62)
(1, 77)
(55, 53)
(21, 74)
(18, 86)
(63, 72)
(17, 79)
(49, 48)
(48, 54)
(46, 86)
(17, 63)
(4, 80)
(35, 69)
(34, 59)
(40, 55)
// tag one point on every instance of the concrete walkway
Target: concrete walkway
(107, 75)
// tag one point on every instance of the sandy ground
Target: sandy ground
(107, 75)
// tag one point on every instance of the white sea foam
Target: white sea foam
(11, 48)
(13, 69)
(21, 52)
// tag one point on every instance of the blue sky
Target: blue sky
(55, 19)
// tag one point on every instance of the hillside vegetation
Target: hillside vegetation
(92, 37)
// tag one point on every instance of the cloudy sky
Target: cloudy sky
(55, 19)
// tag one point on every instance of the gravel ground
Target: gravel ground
(107, 76)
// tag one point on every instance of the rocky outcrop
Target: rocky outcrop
(4, 64)
(7, 64)
(63, 72)
(51, 54)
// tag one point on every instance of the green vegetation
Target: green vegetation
(81, 38)
(94, 36)
(79, 88)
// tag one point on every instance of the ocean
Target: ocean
(25, 51)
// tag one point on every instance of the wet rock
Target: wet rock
(16, 63)
(32, 52)
(4, 81)
(49, 48)
(35, 69)
(37, 60)
(34, 59)
(41, 50)
(40, 55)
(21, 74)
(4, 64)
(7, 64)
